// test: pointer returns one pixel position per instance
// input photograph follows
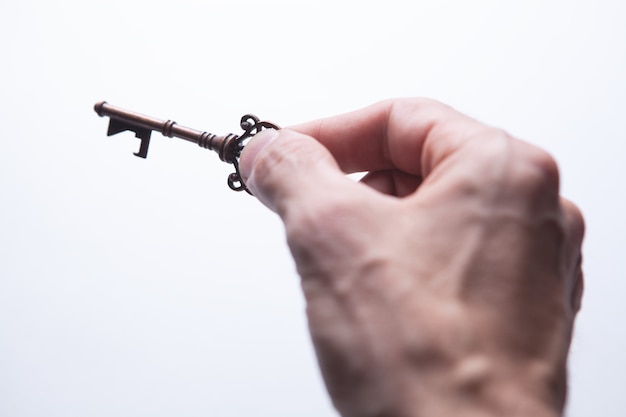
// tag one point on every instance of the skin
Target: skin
(446, 281)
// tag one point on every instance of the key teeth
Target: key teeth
(143, 148)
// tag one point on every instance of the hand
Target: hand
(446, 281)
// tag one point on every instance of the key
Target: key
(228, 147)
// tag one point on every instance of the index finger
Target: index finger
(412, 135)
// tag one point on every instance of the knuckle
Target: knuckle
(579, 290)
(522, 172)
(537, 171)
(532, 175)
(574, 219)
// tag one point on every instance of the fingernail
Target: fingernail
(252, 149)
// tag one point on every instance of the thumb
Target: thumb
(284, 168)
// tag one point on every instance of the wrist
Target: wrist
(481, 387)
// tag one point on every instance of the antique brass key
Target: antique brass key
(228, 147)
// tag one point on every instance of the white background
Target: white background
(134, 287)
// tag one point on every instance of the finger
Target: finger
(395, 183)
(281, 167)
(575, 230)
(412, 135)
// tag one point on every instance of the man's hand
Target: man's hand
(446, 281)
